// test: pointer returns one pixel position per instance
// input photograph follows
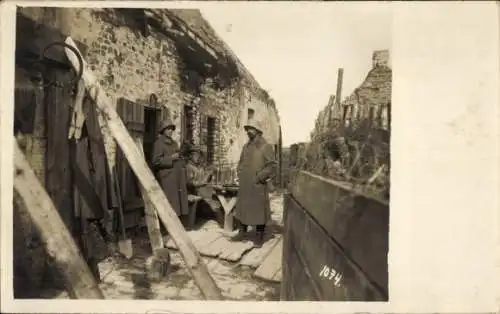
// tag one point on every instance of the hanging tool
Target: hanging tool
(124, 244)
(78, 114)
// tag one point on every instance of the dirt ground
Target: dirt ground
(126, 279)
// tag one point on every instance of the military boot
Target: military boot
(241, 235)
(259, 239)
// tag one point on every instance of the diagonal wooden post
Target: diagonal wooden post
(191, 257)
(151, 216)
(56, 237)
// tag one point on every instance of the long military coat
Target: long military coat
(256, 166)
(171, 174)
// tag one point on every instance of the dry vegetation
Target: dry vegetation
(357, 154)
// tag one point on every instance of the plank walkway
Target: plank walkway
(212, 241)
(270, 269)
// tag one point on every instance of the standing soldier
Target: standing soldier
(255, 169)
(169, 168)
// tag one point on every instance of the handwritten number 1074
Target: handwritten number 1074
(330, 274)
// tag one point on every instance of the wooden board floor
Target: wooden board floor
(270, 269)
(211, 241)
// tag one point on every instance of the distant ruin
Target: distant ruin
(357, 126)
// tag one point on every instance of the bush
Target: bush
(358, 154)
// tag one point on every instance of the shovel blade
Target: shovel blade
(125, 247)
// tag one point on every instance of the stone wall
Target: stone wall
(131, 65)
(247, 90)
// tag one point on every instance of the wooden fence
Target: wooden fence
(335, 242)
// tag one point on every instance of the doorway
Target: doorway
(151, 122)
(188, 125)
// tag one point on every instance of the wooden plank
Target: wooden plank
(170, 243)
(307, 280)
(325, 184)
(192, 258)
(150, 215)
(121, 161)
(36, 151)
(58, 242)
(271, 263)
(209, 236)
(101, 174)
(285, 290)
(256, 256)
(210, 225)
(359, 223)
(235, 250)
(194, 235)
(309, 251)
(215, 248)
(329, 271)
(212, 264)
(277, 277)
(301, 287)
(58, 165)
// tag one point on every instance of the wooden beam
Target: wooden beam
(151, 216)
(192, 258)
(58, 241)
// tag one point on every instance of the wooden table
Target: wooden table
(227, 196)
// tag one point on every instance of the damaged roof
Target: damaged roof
(199, 25)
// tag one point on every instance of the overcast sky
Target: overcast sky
(294, 51)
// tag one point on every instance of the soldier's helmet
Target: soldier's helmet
(167, 123)
(254, 124)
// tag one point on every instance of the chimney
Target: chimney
(338, 95)
(380, 58)
(331, 100)
(331, 107)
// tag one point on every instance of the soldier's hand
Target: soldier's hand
(175, 156)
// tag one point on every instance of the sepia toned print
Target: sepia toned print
(170, 177)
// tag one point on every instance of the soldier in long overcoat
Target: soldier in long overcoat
(255, 169)
(170, 168)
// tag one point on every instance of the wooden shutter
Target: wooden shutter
(58, 161)
(132, 115)
(202, 142)
(187, 132)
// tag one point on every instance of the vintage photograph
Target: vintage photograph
(202, 154)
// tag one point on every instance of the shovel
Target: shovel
(124, 244)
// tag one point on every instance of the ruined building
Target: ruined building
(371, 100)
(153, 64)
(362, 119)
